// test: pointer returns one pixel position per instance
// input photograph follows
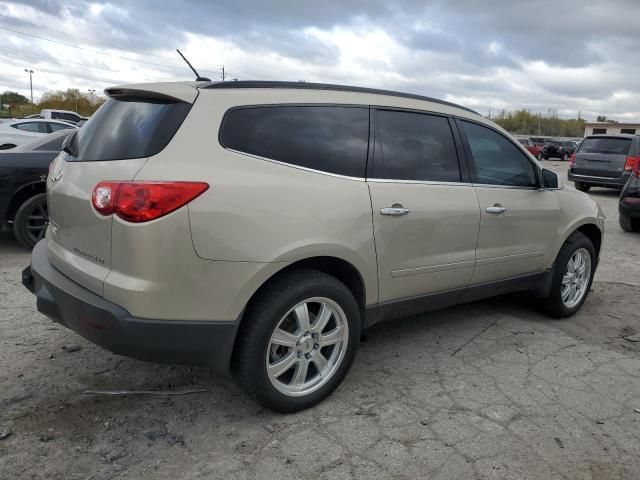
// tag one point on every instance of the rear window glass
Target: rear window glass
(616, 146)
(331, 139)
(128, 128)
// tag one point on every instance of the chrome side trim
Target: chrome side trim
(419, 182)
(509, 258)
(432, 269)
(578, 175)
(510, 187)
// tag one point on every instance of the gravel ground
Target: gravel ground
(485, 390)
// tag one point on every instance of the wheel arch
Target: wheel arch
(22, 195)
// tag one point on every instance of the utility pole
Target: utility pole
(30, 72)
(91, 92)
(222, 74)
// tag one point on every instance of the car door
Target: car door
(519, 221)
(425, 213)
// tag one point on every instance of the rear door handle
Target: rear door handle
(396, 210)
(496, 209)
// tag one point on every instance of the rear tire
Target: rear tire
(555, 304)
(273, 333)
(628, 224)
(582, 186)
(31, 220)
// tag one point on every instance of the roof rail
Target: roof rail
(327, 86)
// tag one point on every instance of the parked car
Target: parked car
(23, 174)
(64, 115)
(18, 132)
(532, 147)
(629, 205)
(232, 224)
(562, 150)
(603, 161)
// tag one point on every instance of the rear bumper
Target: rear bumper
(618, 182)
(113, 328)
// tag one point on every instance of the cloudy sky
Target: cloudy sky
(486, 54)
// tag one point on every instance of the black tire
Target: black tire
(263, 316)
(628, 224)
(553, 305)
(7, 146)
(583, 187)
(25, 221)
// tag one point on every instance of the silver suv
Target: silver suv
(259, 227)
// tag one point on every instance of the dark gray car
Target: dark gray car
(603, 161)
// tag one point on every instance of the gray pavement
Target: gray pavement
(485, 390)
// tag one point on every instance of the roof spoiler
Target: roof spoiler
(163, 92)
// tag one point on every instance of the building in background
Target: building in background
(611, 128)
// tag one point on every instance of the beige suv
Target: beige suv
(259, 227)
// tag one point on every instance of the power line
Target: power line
(89, 50)
(88, 40)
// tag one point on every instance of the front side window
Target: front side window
(414, 146)
(331, 139)
(497, 161)
(58, 126)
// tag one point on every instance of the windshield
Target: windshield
(614, 145)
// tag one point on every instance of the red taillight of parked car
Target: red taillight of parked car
(139, 202)
(632, 164)
(572, 159)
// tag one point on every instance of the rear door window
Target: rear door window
(604, 145)
(414, 146)
(124, 128)
(331, 139)
(497, 161)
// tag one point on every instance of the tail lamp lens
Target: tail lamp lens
(139, 202)
(572, 159)
(633, 164)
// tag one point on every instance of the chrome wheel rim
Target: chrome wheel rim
(575, 280)
(307, 347)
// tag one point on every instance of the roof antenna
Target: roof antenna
(198, 77)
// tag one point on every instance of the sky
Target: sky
(489, 55)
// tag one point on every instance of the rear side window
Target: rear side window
(331, 139)
(414, 146)
(58, 126)
(497, 161)
(616, 146)
(126, 128)
(33, 127)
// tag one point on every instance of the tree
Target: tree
(601, 118)
(13, 98)
(524, 122)
(71, 99)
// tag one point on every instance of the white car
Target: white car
(17, 132)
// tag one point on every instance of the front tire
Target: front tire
(31, 221)
(583, 187)
(572, 276)
(297, 341)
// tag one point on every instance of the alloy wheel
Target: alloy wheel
(575, 280)
(307, 346)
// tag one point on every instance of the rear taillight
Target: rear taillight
(572, 159)
(632, 164)
(143, 201)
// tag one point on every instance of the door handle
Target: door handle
(396, 210)
(497, 209)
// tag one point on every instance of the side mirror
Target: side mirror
(550, 179)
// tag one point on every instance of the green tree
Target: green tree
(71, 99)
(13, 98)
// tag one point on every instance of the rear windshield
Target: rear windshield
(128, 128)
(616, 146)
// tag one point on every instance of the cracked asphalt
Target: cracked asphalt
(487, 390)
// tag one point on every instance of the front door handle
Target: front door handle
(396, 210)
(497, 209)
